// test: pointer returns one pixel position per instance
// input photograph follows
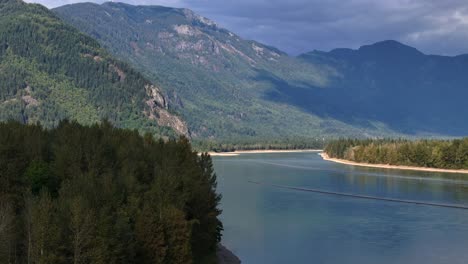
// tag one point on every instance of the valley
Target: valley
(229, 88)
(153, 134)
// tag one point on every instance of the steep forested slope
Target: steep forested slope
(224, 86)
(50, 71)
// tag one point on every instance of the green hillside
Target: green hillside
(49, 71)
(227, 88)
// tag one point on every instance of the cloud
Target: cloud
(296, 26)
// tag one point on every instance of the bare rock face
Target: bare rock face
(186, 30)
(156, 98)
(193, 17)
(158, 110)
(119, 72)
(28, 99)
(170, 120)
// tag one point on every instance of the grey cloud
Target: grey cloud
(296, 26)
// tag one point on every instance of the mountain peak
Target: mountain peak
(386, 47)
(151, 10)
(390, 46)
(194, 17)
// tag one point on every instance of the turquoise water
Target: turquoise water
(266, 224)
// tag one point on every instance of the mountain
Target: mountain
(398, 85)
(230, 88)
(224, 86)
(49, 71)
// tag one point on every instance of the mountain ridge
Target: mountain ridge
(228, 87)
(424, 89)
(387, 43)
(225, 86)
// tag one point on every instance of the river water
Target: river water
(268, 224)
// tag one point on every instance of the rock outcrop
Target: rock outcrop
(159, 111)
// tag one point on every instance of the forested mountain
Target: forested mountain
(98, 194)
(50, 71)
(224, 86)
(409, 91)
(228, 87)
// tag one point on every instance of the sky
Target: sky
(297, 26)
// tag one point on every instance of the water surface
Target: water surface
(266, 224)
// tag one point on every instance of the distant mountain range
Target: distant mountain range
(49, 71)
(398, 85)
(222, 86)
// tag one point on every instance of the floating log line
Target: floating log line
(367, 197)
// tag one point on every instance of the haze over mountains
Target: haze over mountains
(225, 86)
(398, 85)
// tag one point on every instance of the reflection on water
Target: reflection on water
(264, 224)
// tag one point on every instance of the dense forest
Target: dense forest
(50, 71)
(99, 194)
(445, 154)
(259, 144)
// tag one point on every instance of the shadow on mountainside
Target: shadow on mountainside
(361, 107)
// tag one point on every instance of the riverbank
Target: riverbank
(225, 256)
(387, 166)
(266, 151)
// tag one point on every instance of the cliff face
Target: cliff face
(159, 111)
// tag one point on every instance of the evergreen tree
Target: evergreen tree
(98, 194)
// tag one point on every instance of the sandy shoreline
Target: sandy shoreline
(237, 153)
(386, 166)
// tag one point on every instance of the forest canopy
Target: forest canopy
(49, 71)
(444, 154)
(99, 194)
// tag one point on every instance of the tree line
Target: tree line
(99, 194)
(445, 154)
(235, 144)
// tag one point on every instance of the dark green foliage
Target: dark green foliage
(445, 154)
(98, 194)
(259, 144)
(49, 71)
(39, 176)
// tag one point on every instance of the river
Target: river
(265, 223)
